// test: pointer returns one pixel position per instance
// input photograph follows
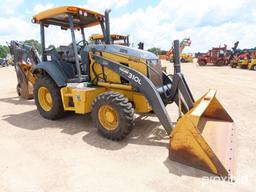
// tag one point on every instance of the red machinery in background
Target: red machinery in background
(217, 56)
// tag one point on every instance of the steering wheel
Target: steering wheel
(79, 47)
(82, 41)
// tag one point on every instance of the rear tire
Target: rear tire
(233, 66)
(55, 109)
(220, 63)
(202, 63)
(120, 119)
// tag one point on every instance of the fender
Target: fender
(53, 71)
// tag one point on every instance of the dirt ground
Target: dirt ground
(38, 155)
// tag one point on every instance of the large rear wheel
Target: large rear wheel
(233, 65)
(220, 63)
(48, 99)
(202, 63)
(113, 115)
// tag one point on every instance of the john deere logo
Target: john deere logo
(123, 70)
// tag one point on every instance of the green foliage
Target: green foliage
(52, 46)
(163, 52)
(4, 50)
(35, 44)
(157, 51)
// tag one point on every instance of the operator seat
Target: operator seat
(67, 54)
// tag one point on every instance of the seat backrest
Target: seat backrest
(65, 66)
(67, 53)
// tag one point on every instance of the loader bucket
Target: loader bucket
(204, 138)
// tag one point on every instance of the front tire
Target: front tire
(113, 115)
(253, 68)
(48, 99)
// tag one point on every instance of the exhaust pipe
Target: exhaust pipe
(107, 23)
(176, 45)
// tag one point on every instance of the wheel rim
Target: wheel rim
(254, 67)
(45, 98)
(108, 117)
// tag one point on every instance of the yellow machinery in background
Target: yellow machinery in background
(112, 82)
(115, 39)
(186, 42)
(252, 64)
(243, 63)
(186, 57)
(247, 60)
(25, 58)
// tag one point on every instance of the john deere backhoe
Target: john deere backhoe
(112, 82)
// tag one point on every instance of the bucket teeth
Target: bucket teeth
(204, 138)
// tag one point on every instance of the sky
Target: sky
(209, 23)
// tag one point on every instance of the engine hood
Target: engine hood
(119, 49)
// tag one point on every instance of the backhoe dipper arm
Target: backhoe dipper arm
(143, 85)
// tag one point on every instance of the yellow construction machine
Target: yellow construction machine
(252, 64)
(25, 57)
(186, 57)
(184, 43)
(112, 82)
(115, 39)
(243, 63)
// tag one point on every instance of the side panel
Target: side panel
(141, 104)
(80, 100)
(54, 72)
(111, 76)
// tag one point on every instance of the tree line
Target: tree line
(4, 49)
(157, 51)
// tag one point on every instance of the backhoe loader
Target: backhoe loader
(25, 58)
(112, 82)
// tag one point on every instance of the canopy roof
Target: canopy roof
(59, 16)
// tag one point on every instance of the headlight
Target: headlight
(153, 62)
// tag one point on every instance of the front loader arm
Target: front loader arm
(142, 84)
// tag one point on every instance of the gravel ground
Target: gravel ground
(69, 155)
